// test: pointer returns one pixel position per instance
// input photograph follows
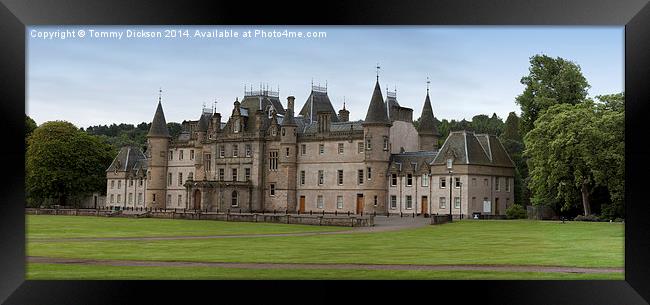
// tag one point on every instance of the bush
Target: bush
(587, 218)
(618, 220)
(516, 211)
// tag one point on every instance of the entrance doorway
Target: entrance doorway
(359, 203)
(302, 204)
(197, 200)
(425, 205)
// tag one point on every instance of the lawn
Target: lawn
(50, 226)
(82, 272)
(550, 243)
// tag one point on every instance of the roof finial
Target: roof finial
(159, 94)
(344, 102)
(428, 82)
(378, 67)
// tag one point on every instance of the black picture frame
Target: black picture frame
(15, 15)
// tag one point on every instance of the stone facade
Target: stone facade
(263, 158)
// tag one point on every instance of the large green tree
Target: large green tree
(550, 81)
(63, 161)
(513, 143)
(572, 150)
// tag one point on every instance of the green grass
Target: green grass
(56, 226)
(580, 244)
(83, 272)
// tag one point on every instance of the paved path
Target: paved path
(382, 224)
(137, 263)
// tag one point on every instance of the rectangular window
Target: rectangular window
(443, 202)
(409, 202)
(119, 198)
(409, 179)
(180, 200)
(340, 177)
(339, 202)
(375, 201)
(130, 182)
(360, 147)
(473, 181)
(287, 151)
(119, 184)
(319, 202)
(140, 182)
(235, 150)
(369, 173)
(340, 148)
(112, 184)
(507, 184)
(496, 183)
(191, 154)
(273, 162)
(222, 174)
(485, 182)
(487, 205)
(234, 174)
(368, 144)
(180, 155)
(456, 202)
(385, 143)
(112, 198)
(393, 180)
(321, 149)
(208, 162)
(457, 182)
(130, 198)
(248, 150)
(222, 150)
(425, 179)
(320, 177)
(169, 179)
(234, 199)
(180, 179)
(272, 189)
(443, 183)
(303, 149)
(247, 174)
(393, 201)
(360, 176)
(302, 177)
(171, 155)
(139, 198)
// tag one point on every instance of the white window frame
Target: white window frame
(319, 202)
(339, 202)
(442, 202)
(425, 180)
(409, 202)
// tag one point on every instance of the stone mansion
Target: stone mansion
(265, 158)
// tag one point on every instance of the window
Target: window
(393, 180)
(119, 184)
(449, 163)
(235, 199)
(473, 181)
(474, 203)
(360, 147)
(283, 132)
(149, 174)
(180, 155)
(112, 198)
(375, 201)
(409, 202)
(457, 182)
(139, 198)
(385, 143)
(456, 202)
(443, 202)
(303, 149)
(320, 177)
(140, 181)
(234, 174)
(235, 150)
(247, 174)
(340, 177)
(321, 149)
(171, 155)
(443, 183)
(273, 163)
(130, 182)
(340, 148)
(369, 173)
(190, 176)
(222, 174)
(360, 176)
(248, 150)
(180, 200)
(222, 151)
(208, 162)
(272, 189)
(112, 184)
(302, 177)
(154, 197)
(319, 202)
(393, 201)
(287, 151)
(191, 154)
(409, 179)
(169, 179)
(368, 144)
(180, 179)
(425, 179)
(119, 198)
(487, 205)
(507, 184)
(274, 132)
(485, 182)
(339, 202)
(496, 183)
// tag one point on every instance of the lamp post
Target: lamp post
(450, 162)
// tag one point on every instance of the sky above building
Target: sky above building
(104, 78)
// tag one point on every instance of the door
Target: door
(496, 206)
(425, 205)
(302, 204)
(197, 200)
(359, 203)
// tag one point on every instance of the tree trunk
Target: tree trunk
(585, 198)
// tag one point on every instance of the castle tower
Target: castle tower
(289, 152)
(157, 148)
(376, 128)
(427, 131)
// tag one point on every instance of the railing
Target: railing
(270, 93)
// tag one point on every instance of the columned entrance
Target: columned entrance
(197, 200)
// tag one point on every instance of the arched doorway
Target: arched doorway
(197, 200)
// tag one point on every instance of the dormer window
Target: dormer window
(235, 127)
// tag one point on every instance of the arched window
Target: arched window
(235, 199)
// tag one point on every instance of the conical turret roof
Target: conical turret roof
(377, 109)
(427, 122)
(158, 125)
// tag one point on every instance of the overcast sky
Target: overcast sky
(473, 70)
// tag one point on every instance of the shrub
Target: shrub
(618, 219)
(587, 218)
(516, 211)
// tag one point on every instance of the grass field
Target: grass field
(575, 244)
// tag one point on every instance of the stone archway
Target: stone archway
(197, 200)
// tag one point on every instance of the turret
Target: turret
(344, 115)
(289, 155)
(427, 131)
(157, 149)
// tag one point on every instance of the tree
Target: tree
(514, 145)
(572, 150)
(550, 81)
(30, 125)
(63, 161)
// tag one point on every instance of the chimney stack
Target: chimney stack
(290, 101)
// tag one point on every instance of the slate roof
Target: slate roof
(336, 126)
(468, 148)
(288, 119)
(377, 108)
(427, 121)
(252, 102)
(128, 159)
(321, 103)
(158, 124)
(204, 121)
(411, 161)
